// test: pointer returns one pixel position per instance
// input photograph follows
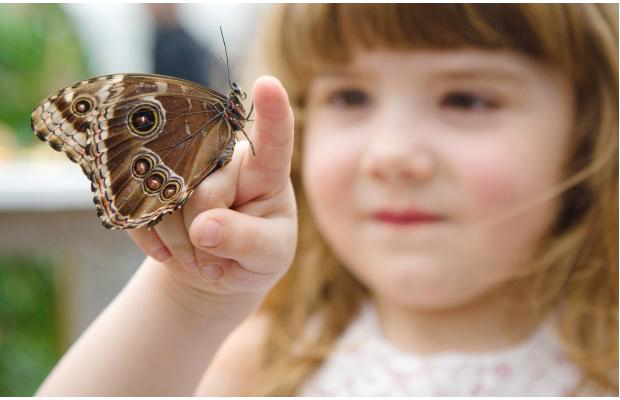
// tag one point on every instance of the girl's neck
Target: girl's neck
(482, 325)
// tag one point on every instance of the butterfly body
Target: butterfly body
(144, 141)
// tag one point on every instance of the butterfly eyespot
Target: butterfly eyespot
(82, 106)
(144, 120)
(141, 166)
(154, 182)
(144, 141)
(170, 190)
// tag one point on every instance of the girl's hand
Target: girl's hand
(237, 233)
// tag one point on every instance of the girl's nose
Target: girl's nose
(389, 159)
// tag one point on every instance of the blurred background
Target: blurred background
(58, 266)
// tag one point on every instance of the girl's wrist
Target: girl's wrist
(197, 304)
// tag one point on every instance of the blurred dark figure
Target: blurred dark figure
(176, 53)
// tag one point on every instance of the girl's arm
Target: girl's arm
(154, 339)
(161, 332)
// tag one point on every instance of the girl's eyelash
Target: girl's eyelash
(468, 101)
(461, 100)
(348, 98)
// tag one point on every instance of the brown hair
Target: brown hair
(575, 270)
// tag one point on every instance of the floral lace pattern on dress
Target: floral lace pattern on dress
(363, 363)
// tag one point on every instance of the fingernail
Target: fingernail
(161, 254)
(211, 272)
(211, 235)
(192, 266)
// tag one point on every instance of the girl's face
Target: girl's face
(410, 156)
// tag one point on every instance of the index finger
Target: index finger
(273, 130)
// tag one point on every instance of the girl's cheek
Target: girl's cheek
(492, 183)
(327, 170)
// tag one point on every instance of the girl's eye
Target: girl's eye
(348, 98)
(467, 102)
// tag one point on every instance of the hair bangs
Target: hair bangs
(322, 34)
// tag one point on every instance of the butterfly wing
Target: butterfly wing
(148, 143)
(58, 121)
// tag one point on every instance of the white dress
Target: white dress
(363, 363)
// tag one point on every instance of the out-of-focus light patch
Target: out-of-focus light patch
(116, 37)
(119, 37)
(238, 21)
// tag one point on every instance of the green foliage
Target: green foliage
(39, 53)
(29, 333)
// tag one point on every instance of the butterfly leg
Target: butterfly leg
(250, 113)
(226, 154)
(246, 136)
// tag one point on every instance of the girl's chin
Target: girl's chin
(422, 287)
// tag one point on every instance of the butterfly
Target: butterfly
(144, 141)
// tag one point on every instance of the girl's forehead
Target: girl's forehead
(506, 65)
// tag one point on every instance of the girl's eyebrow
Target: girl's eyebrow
(447, 74)
(342, 73)
(480, 73)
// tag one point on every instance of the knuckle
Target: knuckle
(148, 244)
(205, 259)
(178, 248)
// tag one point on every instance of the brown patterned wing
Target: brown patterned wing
(64, 118)
(149, 142)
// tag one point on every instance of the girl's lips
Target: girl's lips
(405, 217)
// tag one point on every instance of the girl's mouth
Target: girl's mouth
(405, 217)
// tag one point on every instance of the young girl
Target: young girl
(455, 170)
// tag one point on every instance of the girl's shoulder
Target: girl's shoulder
(237, 359)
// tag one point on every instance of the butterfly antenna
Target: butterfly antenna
(226, 51)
